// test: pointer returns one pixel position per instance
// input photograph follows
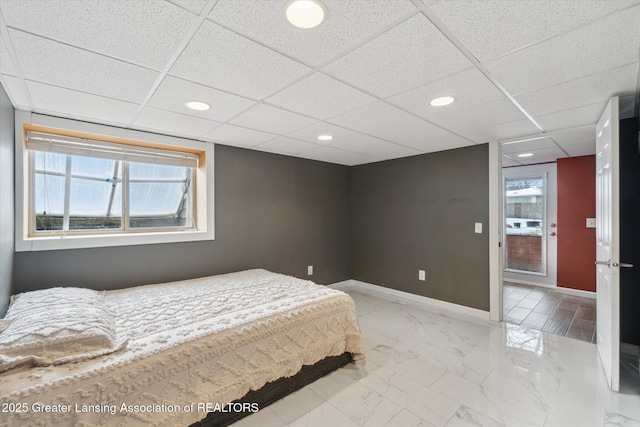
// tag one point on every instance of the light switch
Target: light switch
(479, 227)
(591, 223)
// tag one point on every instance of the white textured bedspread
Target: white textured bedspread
(194, 342)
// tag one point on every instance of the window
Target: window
(82, 186)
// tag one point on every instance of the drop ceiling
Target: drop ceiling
(518, 69)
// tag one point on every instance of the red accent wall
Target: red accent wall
(576, 203)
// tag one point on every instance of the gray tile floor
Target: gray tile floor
(550, 311)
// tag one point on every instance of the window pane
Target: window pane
(49, 201)
(88, 166)
(50, 162)
(153, 171)
(156, 194)
(524, 216)
(88, 205)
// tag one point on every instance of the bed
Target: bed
(181, 351)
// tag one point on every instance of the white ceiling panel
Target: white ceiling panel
(80, 105)
(505, 26)
(581, 143)
(271, 119)
(6, 65)
(472, 122)
(423, 136)
(528, 146)
(584, 149)
(107, 27)
(194, 6)
(17, 92)
(605, 44)
(580, 92)
(335, 155)
(544, 155)
(320, 96)
(284, 145)
(180, 124)
(575, 117)
(507, 162)
(173, 92)
(224, 60)
(311, 133)
(373, 117)
(469, 87)
(423, 52)
(238, 136)
(347, 24)
(375, 147)
(54, 63)
(365, 75)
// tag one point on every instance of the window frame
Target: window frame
(202, 181)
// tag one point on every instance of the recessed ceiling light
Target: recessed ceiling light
(305, 13)
(325, 137)
(525, 155)
(441, 101)
(197, 105)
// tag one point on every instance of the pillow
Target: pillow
(57, 325)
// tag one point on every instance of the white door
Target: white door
(529, 224)
(608, 242)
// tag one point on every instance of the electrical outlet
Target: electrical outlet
(478, 227)
(422, 275)
(310, 270)
(591, 223)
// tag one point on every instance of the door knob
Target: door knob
(607, 263)
(623, 264)
(553, 233)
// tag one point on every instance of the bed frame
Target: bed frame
(276, 390)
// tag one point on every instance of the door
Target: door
(529, 224)
(608, 242)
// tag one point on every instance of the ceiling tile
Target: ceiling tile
(17, 93)
(527, 146)
(544, 155)
(507, 162)
(502, 131)
(471, 122)
(469, 87)
(581, 143)
(373, 117)
(219, 58)
(310, 133)
(173, 123)
(334, 155)
(580, 92)
(585, 51)
(194, 6)
(80, 105)
(54, 63)
(321, 97)
(173, 92)
(509, 25)
(375, 147)
(270, 119)
(238, 136)
(425, 55)
(347, 24)
(146, 32)
(285, 145)
(423, 136)
(575, 117)
(6, 65)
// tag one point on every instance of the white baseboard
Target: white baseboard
(409, 298)
(576, 292)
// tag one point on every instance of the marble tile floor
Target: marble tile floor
(425, 368)
(550, 311)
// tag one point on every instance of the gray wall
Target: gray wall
(6, 199)
(275, 212)
(418, 213)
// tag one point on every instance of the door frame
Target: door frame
(495, 214)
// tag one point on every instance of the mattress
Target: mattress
(194, 346)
